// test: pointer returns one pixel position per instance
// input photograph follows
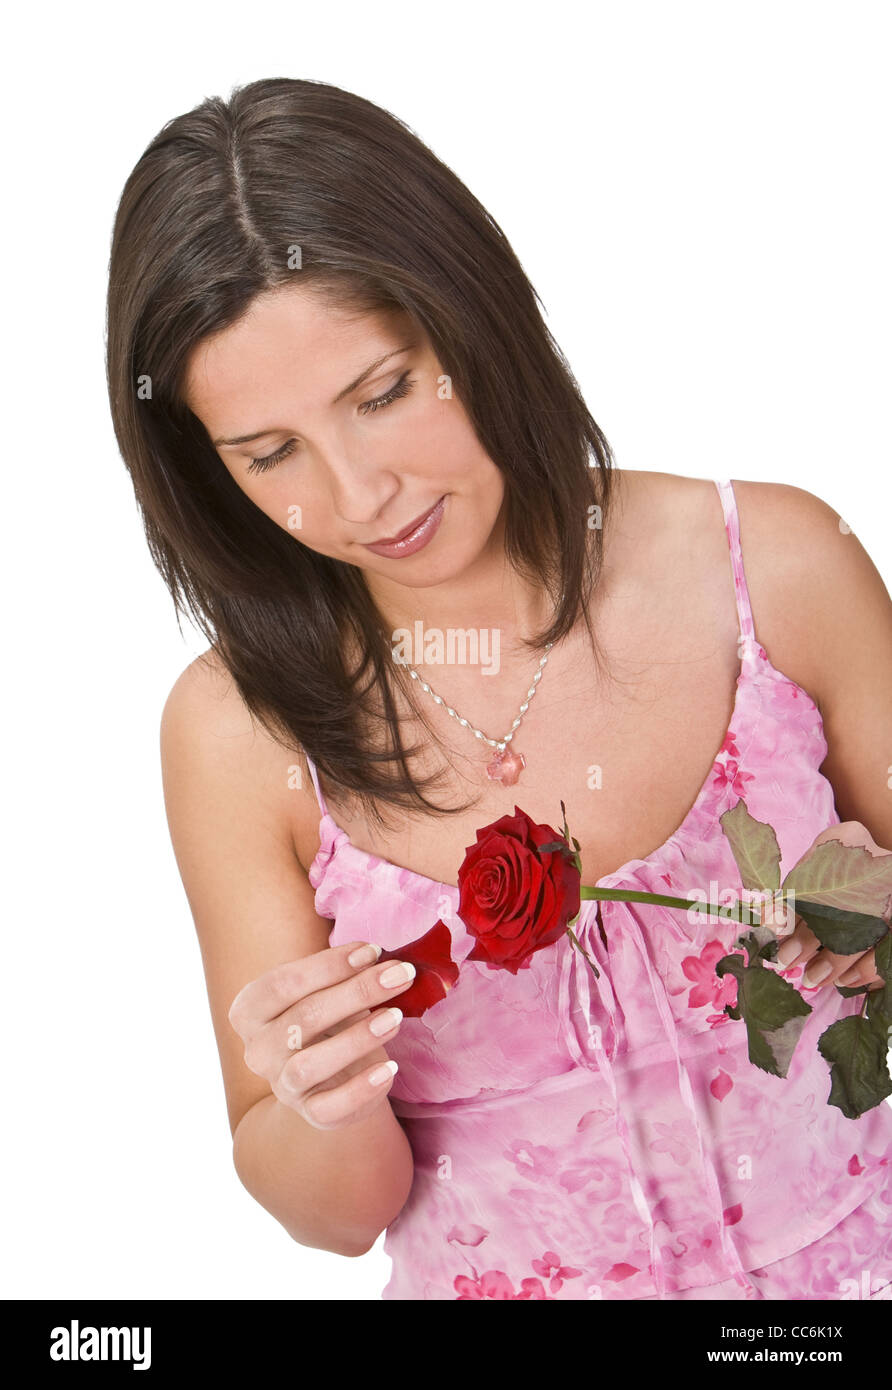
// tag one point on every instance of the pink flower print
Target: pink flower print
(708, 988)
(716, 1020)
(532, 1288)
(535, 1161)
(467, 1235)
(550, 1267)
(698, 1243)
(824, 1268)
(728, 746)
(675, 1140)
(668, 1245)
(616, 1221)
(855, 1168)
(731, 1215)
(573, 1178)
(785, 694)
(593, 1117)
(874, 1160)
(495, 1284)
(583, 1171)
(720, 1085)
(616, 1273)
(729, 775)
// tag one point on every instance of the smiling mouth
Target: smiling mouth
(414, 537)
(406, 531)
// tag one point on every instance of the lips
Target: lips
(406, 531)
(414, 537)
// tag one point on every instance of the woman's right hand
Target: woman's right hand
(308, 1027)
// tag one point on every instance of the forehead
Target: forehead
(288, 336)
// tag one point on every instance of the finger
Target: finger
(803, 951)
(824, 969)
(803, 946)
(775, 912)
(264, 999)
(352, 1101)
(321, 1066)
(799, 946)
(863, 972)
(322, 1013)
(271, 1047)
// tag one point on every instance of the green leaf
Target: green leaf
(754, 846)
(773, 1011)
(847, 877)
(857, 1046)
(859, 1076)
(843, 932)
(879, 1001)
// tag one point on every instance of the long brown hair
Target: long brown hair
(209, 218)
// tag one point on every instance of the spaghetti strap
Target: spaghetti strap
(315, 776)
(741, 592)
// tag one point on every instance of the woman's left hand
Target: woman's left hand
(802, 947)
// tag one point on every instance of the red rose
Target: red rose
(515, 895)
(435, 970)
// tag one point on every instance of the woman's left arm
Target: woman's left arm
(833, 615)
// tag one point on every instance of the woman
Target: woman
(363, 463)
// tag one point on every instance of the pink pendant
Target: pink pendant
(506, 767)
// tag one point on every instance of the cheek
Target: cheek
(453, 453)
(295, 506)
(278, 500)
(286, 501)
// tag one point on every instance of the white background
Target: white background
(700, 194)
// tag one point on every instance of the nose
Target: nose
(360, 490)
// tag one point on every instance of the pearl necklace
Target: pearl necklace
(508, 764)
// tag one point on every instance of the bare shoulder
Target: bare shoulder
(796, 553)
(205, 698)
(205, 708)
(209, 735)
(803, 568)
(661, 503)
(808, 577)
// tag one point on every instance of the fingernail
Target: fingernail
(364, 955)
(790, 951)
(386, 1021)
(816, 973)
(400, 973)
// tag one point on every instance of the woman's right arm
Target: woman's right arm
(337, 1179)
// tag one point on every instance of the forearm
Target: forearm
(331, 1189)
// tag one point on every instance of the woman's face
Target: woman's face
(342, 470)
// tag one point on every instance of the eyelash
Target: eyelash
(402, 388)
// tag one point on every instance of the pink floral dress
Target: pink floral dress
(577, 1138)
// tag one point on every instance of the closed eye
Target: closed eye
(402, 388)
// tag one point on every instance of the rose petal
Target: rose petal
(435, 970)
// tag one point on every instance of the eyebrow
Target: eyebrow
(363, 376)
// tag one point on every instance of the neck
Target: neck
(488, 598)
